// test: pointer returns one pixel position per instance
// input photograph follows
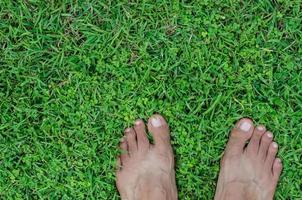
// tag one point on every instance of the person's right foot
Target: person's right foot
(146, 171)
(249, 172)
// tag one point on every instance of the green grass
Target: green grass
(74, 74)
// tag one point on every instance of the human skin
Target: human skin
(146, 171)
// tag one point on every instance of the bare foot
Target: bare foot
(252, 171)
(146, 170)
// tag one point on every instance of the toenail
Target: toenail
(156, 122)
(260, 128)
(245, 126)
(278, 160)
(269, 135)
(127, 130)
(275, 145)
(138, 122)
(122, 139)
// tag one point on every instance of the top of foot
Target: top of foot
(249, 171)
(147, 170)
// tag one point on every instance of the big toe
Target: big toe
(159, 129)
(240, 134)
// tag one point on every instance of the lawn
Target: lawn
(74, 74)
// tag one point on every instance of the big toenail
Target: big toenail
(245, 126)
(156, 122)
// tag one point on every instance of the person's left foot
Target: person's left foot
(146, 171)
(249, 171)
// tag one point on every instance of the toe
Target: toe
(239, 135)
(253, 146)
(271, 155)
(266, 140)
(124, 151)
(131, 140)
(141, 136)
(277, 168)
(159, 129)
(118, 164)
